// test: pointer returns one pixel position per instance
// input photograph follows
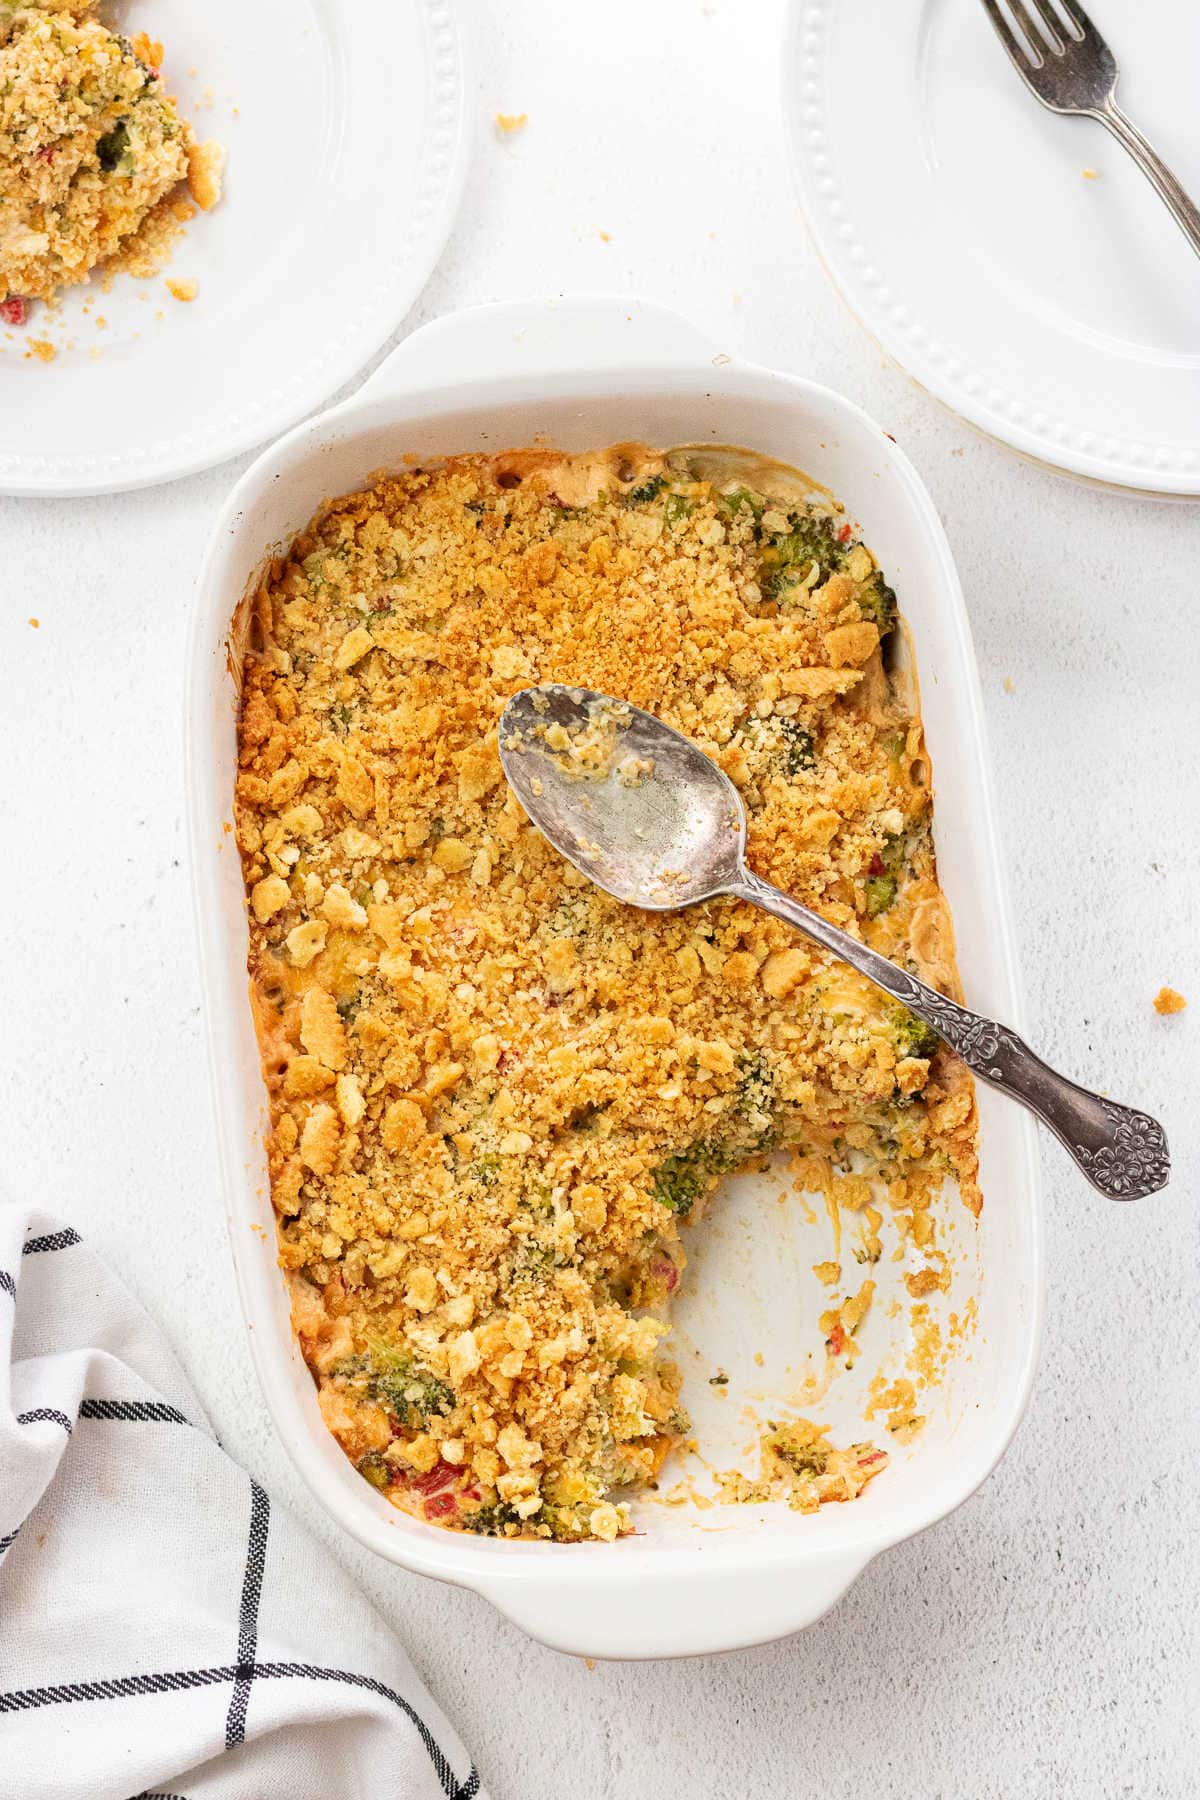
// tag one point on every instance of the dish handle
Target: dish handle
(669, 1614)
(543, 338)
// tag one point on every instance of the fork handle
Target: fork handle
(1182, 209)
(1122, 1152)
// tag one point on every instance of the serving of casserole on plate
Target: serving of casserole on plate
(491, 1105)
(497, 1093)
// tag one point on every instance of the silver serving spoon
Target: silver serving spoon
(654, 822)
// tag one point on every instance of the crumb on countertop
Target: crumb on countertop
(1168, 1001)
(508, 124)
(1091, 174)
(36, 623)
(182, 290)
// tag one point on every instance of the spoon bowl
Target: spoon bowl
(634, 805)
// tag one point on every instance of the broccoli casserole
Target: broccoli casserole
(92, 151)
(497, 1096)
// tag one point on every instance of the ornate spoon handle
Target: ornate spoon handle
(1122, 1152)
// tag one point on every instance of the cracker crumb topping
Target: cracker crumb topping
(498, 1097)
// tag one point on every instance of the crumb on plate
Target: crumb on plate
(1168, 1001)
(206, 167)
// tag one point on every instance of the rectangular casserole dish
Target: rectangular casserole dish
(580, 374)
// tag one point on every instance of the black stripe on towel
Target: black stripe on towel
(55, 1240)
(252, 1581)
(143, 1412)
(124, 1687)
(45, 1412)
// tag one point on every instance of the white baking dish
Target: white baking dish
(578, 374)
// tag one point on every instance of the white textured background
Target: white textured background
(1043, 1641)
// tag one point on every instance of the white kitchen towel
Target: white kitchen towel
(164, 1632)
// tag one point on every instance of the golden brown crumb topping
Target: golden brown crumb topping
(496, 1094)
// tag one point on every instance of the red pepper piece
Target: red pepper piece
(14, 310)
(442, 1475)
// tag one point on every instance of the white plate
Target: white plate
(582, 372)
(345, 123)
(1058, 313)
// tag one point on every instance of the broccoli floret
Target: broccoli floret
(112, 150)
(743, 499)
(648, 490)
(490, 1521)
(410, 1392)
(677, 507)
(877, 601)
(802, 1459)
(374, 1469)
(897, 856)
(799, 750)
(532, 1263)
(811, 538)
(790, 745)
(881, 892)
(911, 1036)
(680, 1180)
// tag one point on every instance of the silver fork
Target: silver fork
(1070, 68)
